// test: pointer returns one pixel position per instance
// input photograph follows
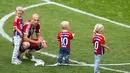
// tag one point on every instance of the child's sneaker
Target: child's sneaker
(16, 62)
(59, 64)
(66, 64)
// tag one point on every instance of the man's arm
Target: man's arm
(39, 36)
(41, 40)
(29, 40)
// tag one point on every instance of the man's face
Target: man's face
(35, 20)
(19, 13)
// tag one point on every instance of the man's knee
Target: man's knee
(26, 45)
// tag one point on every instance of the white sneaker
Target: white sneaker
(98, 72)
(59, 64)
(16, 62)
(66, 64)
(19, 61)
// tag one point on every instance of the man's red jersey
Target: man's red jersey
(29, 29)
(64, 39)
(97, 41)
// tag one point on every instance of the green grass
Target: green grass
(117, 10)
(7, 6)
(81, 48)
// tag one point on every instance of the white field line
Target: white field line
(2, 21)
(89, 14)
(110, 69)
(101, 18)
(115, 64)
(55, 56)
(83, 63)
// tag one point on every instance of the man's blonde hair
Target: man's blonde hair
(65, 25)
(98, 28)
(19, 8)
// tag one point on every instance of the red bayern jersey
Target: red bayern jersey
(98, 40)
(29, 29)
(64, 39)
(18, 23)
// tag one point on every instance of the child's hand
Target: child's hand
(108, 49)
(73, 34)
(58, 39)
(21, 35)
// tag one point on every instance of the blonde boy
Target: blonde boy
(98, 41)
(64, 38)
(17, 34)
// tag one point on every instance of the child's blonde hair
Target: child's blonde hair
(65, 25)
(19, 8)
(98, 28)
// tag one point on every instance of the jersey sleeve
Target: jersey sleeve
(58, 36)
(103, 40)
(71, 36)
(15, 22)
(25, 29)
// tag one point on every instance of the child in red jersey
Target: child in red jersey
(98, 41)
(17, 31)
(64, 38)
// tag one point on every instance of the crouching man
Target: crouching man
(29, 43)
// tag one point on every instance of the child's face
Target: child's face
(102, 30)
(19, 13)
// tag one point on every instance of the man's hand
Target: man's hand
(43, 44)
(37, 42)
